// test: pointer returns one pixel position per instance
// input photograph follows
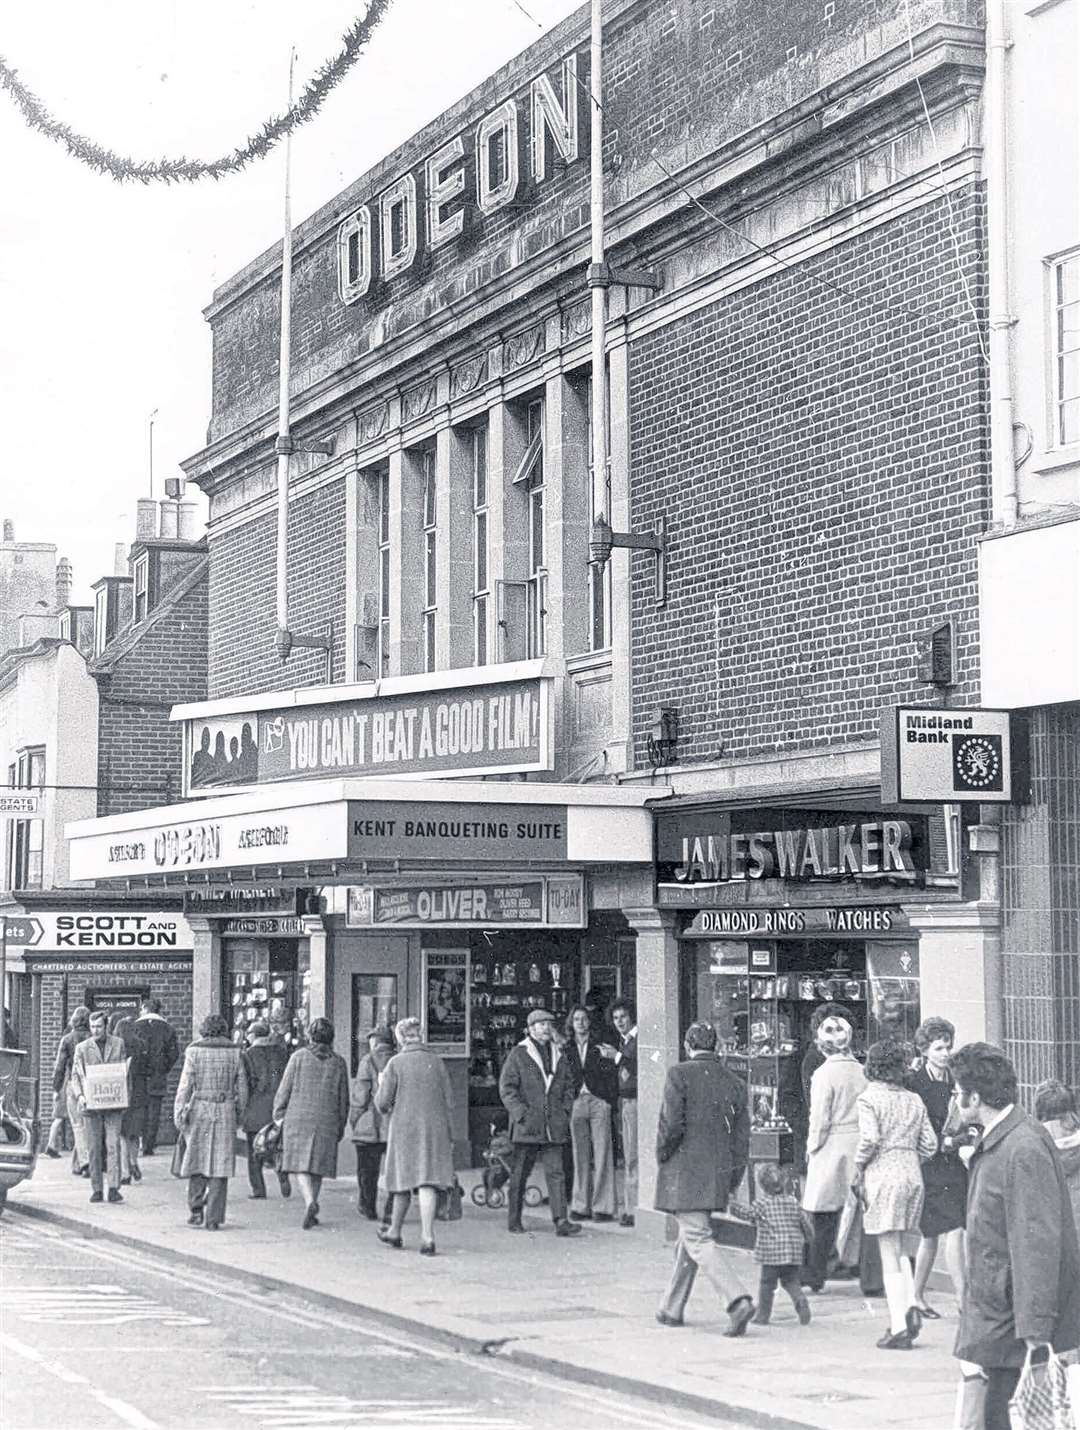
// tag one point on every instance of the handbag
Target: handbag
(266, 1145)
(451, 1201)
(178, 1151)
(1041, 1399)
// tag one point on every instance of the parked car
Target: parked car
(18, 1135)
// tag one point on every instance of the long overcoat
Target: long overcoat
(703, 1139)
(415, 1094)
(367, 1122)
(1022, 1264)
(264, 1066)
(539, 1103)
(833, 1138)
(162, 1050)
(313, 1103)
(210, 1098)
(134, 1119)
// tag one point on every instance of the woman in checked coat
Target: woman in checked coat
(313, 1104)
(895, 1138)
(209, 1100)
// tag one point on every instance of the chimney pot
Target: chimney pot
(169, 520)
(145, 519)
(188, 516)
(9, 530)
(63, 582)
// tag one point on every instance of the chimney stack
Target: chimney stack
(145, 519)
(9, 529)
(120, 559)
(63, 583)
(169, 520)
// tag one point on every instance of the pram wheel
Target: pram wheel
(479, 1195)
(495, 1199)
(533, 1196)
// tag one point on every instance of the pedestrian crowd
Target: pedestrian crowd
(911, 1152)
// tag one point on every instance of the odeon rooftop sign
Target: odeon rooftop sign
(473, 175)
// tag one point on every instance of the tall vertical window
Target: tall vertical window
(142, 587)
(599, 576)
(101, 619)
(27, 842)
(1066, 308)
(431, 599)
(384, 572)
(536, 641)
(481, 584)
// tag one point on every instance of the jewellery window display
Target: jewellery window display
(260, 985)
(504, 991)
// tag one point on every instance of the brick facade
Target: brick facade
(242, 592)
(822, 466)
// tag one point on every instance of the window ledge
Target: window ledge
(591, 660)
(1057, 460)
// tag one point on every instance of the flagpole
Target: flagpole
(283, 446)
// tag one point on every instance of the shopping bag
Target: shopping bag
(849, 1234)
(1041, 1400)
(179, 1148)
(105, 1087)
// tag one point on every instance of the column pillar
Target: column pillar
(658, 1041)
(205, 971)
(319, 988)
(960, 968)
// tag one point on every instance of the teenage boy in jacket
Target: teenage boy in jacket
(625, 1059)
(537, 1091)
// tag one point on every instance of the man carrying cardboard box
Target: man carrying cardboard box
(102, 1104)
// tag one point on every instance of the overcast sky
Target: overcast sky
(102, 285)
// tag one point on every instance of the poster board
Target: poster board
(446, 1001)
(106, 1087)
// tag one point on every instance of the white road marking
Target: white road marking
(302, 1407)
(639, 1414)
(120, 1408)
(96, 1305)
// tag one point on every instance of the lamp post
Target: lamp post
(152, 416)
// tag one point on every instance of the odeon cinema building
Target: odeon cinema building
(511, 727)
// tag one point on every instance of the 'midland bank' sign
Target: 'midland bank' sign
(472, 176)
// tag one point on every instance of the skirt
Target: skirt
(893, 1192)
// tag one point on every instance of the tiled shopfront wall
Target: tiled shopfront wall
(1041, 913)
(822, 468)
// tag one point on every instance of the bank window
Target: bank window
(25, 853)
(1065, 303)
(384, 571)
(142, 587)
(599, 576)
(481, 585)
(536, 598)
(430, 534)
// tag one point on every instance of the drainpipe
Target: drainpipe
(1002, 450)
(283, 446)
(598, 277)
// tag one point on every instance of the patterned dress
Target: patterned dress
(895, 1138)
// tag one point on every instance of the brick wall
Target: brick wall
(822, 467)
(242, 597)
(140, 750)
(61, 994)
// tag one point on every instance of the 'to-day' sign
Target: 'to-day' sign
(498, 728)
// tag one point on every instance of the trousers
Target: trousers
(826, 1225)
(771, 1277)
(256, 1177)
(525, 1155)
(594, 1161)
(103, 1137)
(696, 1250)
(208, 1194)
(150, 1126)
(1001, 1383)
(77, 1119)
(628, 1116)
(368, 1157)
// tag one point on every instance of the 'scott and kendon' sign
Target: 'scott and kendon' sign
(501, 728)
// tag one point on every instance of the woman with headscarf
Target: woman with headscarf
(415, 1088)
(312, 1103)
(369, 1126)
(832, 1140)
(210, 1099)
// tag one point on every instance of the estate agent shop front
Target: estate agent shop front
(364, 898)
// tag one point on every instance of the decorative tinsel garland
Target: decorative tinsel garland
(183, 170)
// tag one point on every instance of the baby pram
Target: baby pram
(488, 1192)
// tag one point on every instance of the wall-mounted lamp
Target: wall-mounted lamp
(662, 740)
(934, 657)
(603, 539)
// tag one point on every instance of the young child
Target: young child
(778, 1246)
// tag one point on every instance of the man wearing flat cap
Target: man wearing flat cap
(537, 1091)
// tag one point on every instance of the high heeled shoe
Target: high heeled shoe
(894, 1341)
(383, 1233)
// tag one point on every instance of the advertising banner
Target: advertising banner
(555, 901)
(446, 1000)
(501, 727)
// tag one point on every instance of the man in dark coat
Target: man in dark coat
(264, 1062)
(1022, 1271)
(538, 1092)
(162, 1051)
(702, 1147)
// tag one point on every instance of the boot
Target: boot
(765, 1305)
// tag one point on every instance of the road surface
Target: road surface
(95, 1336)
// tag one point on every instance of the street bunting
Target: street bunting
(931, 755)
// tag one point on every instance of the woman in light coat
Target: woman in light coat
(78, 1031)
(369, 1126)
(209, 1100)
(415, 1088)
(312, 1102)
(832, 1140)
(895, 1138)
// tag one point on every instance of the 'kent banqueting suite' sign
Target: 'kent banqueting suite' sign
(499, 728)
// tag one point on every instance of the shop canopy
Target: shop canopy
(338, 829)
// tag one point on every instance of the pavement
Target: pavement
(583, 1309)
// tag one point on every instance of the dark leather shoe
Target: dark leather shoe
(427, 1248)
(581, 1216)
(114, 1195)
(894, 1341)
(125, 1181)
(740, 1314)
(213, 1226)
(195, 1219)
(97, 1197)
(285, 1185)
(602, 1216)
(666, 1320)
(136, 1175)
(311, 1217)
(516, 1229)
(626, 1219)
(256, 1196)
(567, 1228)
(51, 1152)
(384, 1236)
(913, 1323)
